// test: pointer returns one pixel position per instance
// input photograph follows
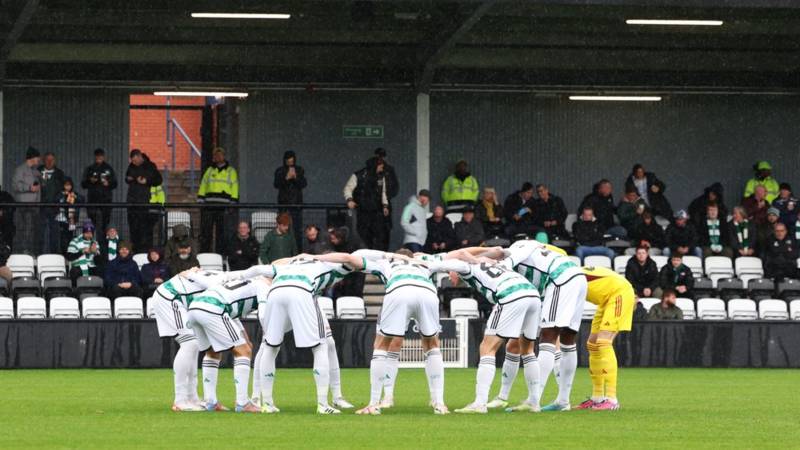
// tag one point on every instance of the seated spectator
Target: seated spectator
(601, 201)
(765, 232)
(81, 253)
(5, 271)
(279, 242)
(108, 248)
(315, 243)
(763, 177)
(639, 312)
(67, 217)
(154, 272)
(414, 221)
(490, 212)
(711, 194)
(682, 237)
(588, 233)
(460, 188)
(550, 213)
(630, 209)
(650, 190)
(780, 255)
(642, 273)
(184, 258)
(757, 206)
(441, 236)
(676, 276)
(180, 235)
(713, 234)
(122, 277)
(742, 233)
(242, 249)
(7, 227)
(518, 209)
(787, 204)
(649, 234)
(666, 310)
(469, 231)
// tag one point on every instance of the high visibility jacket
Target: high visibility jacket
(219, 185)
(455, 191)
(157, 195)
(771, 184)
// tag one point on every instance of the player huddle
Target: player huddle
(537, 292)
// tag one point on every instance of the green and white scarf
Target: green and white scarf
(743, 233)
(797, 230)
(713, 235)
(84, 261)
(112, 248)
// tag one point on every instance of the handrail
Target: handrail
(172, 125)
(186, 137)
(114, 205)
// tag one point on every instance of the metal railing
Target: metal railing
(172, 126)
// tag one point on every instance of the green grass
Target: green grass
(115, 409)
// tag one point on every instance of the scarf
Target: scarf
(713, 235)
(743, 234)
(489, 206)
(84, 261)
(797, 230)
(112, 248)
(676, 274)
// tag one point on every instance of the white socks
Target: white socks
(377, 374)
(557, 367)
(510, 369)
(569, 364)
(546, 361)
(184, 367)
(256, 392)
(267, 363)
(392, 365)
(532, 372)
(241, 378)
(335, 374)
(434, 369)
(321, 372)
(486, 370)
(210, 371)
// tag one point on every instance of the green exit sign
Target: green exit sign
(362, 131)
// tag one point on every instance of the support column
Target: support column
(423, 141)
(2, 148)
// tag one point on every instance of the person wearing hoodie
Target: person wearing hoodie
(601, 201)
(676, 276)
(650, 189)
(460, 188)
(218, 187)
(154, 272)
(441, 235)
(682, 237)
(649, 234)
(280, 242)
(290, 180)
(698, 206)
(762, 177)
(141, 175)
(787, 204)
(370, 192)
(52, 185)
(642, 272)
(413, 221)
(180, 234)
(99, 180)
(122, 277)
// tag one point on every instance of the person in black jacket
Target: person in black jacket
(601, 201)
(99, 180)
(550, 213)
(141, 175)
(370, 191)
(469, 231)
(642, 272)
(711, 194)
(588, 233)
(648, 233)
(682, 237)
(52, 185)
(780, 255)
(242, 248)
(290, 180)
(342, 239)
(7, 227)
(441, 236)
(677, 277)
(519, 211)
(650, 189)
(713, 234)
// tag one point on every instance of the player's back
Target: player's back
(539, 263)
(398, 272)
(185, 285)
(308, 274)
(602, 283)
(499, 283)
(237, 297)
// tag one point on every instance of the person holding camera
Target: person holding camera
(290, 180)
(27, 185)
(99, 180)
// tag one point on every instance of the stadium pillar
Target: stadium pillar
(423, 141)
(2, 148)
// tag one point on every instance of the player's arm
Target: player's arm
(350, 260)
(462, 255)
(450, 265)
(261, 270)
(372, 255)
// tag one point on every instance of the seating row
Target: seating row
(716, 309)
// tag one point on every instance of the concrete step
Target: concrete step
(373, 299)
(379, 289)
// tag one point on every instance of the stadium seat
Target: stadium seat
(597, 261)
(704, 288)
(648, 302)
(575, 259)
(31, 308)
(454, 217)
(4, 291)
(711, 309)
(21, 265)
(140, 259)
(56, 287)
(694, 263)
(618, 245)
(96, 308)
(178, 218)
(589, 309)
(64, 308)
(687, 306)
(748, 268)
(151, 308)
(128, 308)
(761, 288)
(562, 243)
(660, 261)
(731, 288)
(350, 308)
(326, 306)
(794, 309)
(620, 262)
(25, 287)
(464, 307)
(51, 265)
(773, 309)
(789, 289)
(742, 309)
(262, 222)
(503, 242)
(662, 221)
(719, 267)
(210, 261)
(6, 308)
(569, 221)
(89, 286)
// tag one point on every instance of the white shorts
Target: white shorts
(170, 317)
(517, 318)
(215, 331)
(289, 308)
(563, 305)
(406, 303)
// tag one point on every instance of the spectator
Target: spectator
(27, 182)
(676, 276)
(109, 247)
(180, 235)
(52, 185)
(642, 272)
(242, 248)
(518, 209)
(81, 253)
(342, 239)
(666, 310)
(649, 234)
(711, 194)
(290, 180)
(369, 191)
(763, 177)
(99, 180)
(742, 233)
(787, 205)
(460, 188)
(154, 272)
(765, 233)
(630, 209)
(682, 237)
(780, 255)
(316, 243)
(279, 243)
(490, 212)
(7, 227)
(756, 206)
(441, 236)
(588, 233)
(714, 235)
(183, 259)
(122, 277)
(639, 312)
(142, 176)
(650, 189)
(414, 221)
(219, 187)
(469, 232)
(67, 217)
(5, 271)
(550, 213)
(601, 201)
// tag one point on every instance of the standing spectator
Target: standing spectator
(469, 232)
(676, 276)
(81, 253)
(242, 248)
(316, 243)
(180, 236)
(601, 201)
(780, 255)
(649, 234)
(650, 189)
(711, 194)
(154, 272)
(460, 188)
(414, 221)
(219, 187)
(588, 233)
(763, 177)
(518, 209)
(550, 213)
(141, 176)
(7, 227)
(369, 191)
(713, 234)
(279, 243)
(441, 236)
(27, 182)
(630, 209)
(99, 180)
(787, 205)
(183, 259)
(682, 237)
(122, 277)
(490, 212)
(290, 180)
(666, 310)
(67, 216)
(742, 233)
(52, 185)
(642, 272)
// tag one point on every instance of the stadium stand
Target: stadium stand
(648, 302)
(350, 308)
(96, 308)
(151, 309)
(211, 261)
(64, 308)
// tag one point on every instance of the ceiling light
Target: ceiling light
(200, 94)
(616, 98)
(701, 23)
(240, 16)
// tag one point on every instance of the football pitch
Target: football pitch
(115, 409)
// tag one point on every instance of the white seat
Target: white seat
(326, 306)
(662, 221)
(597, 261)
(151, 308)
(140, 259)
(6, 308)
(570, 221)
(21, 265)
(694, 263)
(742, 309)
(177, 218)
(620, 263)
(210, 261)
(31, 308)
(350, 308)
(648, 302)
(51, 265)
(464, 307)
(718, 267)
(96, 308)
(687, 306)
(589, 309)
(64, 308)
(660, 261)
(575, 259)
(794, 309)
(128, 308)
(711, 309)
(773, 309)
(262, 222)
(454, 217)
(748, 268)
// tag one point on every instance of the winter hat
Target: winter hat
(99, 152)
(124, 244)
(682, 214)
(773, 211)
(88, 227)
(786, 186)
(289, 154)
(32, 153)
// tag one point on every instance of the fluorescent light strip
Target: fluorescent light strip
(701, 23)
(240, 16)
(200, 94)
(615, 98)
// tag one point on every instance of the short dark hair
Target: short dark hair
(667, 292)
(540, 186)
(526, 186)
(631, 189)
(676, 254)
(310, 226)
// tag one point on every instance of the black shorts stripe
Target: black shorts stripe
(231, 331)
(554, 304)
(177, 312)
(496, 319)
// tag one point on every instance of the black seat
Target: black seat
(3, 287)
(57, 287)
(761, 288)
(789, 289)
(25, 287)
(704, 288)
(731, 288)
(618, 245)
(89, 286)
(497, 242)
